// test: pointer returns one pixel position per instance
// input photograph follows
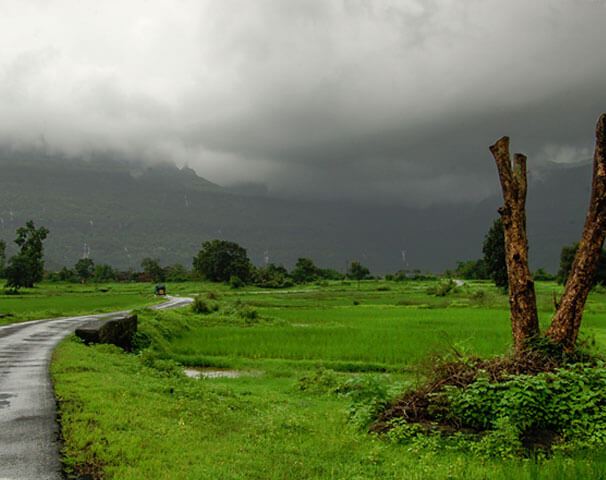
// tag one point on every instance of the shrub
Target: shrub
(516, 414)
(141, 341)
(200, 306)
(248, 313)
(236, 282)
(443, 288)
(319, 381)
(368, 395)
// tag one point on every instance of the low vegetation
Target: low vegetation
(49, 300)
(317, 372)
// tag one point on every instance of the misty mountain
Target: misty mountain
(122, 211)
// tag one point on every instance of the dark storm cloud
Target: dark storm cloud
(384, 100)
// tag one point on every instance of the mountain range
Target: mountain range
(118, 212)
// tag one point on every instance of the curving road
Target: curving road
(29, 446)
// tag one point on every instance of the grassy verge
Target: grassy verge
(50, 300)
(137, 416)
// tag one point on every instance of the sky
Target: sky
(350, 99)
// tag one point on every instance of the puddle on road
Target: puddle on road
(212, 373)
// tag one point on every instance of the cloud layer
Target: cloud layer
(384, 100)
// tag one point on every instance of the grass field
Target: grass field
(50, 300)
(137, 416)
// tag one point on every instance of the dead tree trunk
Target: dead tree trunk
(565, 325)
(522, 298)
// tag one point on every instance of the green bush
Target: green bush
(236, 282)
(565, 406)
(320, 381)
(443, 288)
(141, 341)
(202, 307)
(248, 313)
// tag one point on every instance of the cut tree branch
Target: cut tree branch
(566, 322)
(522, 298)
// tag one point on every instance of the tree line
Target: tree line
(225, 261)
(493, 265)
(217, 261)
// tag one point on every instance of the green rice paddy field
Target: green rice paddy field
(50, 300)
(137, 416)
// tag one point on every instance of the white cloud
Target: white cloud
(297, 93)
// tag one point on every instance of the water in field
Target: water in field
(212, 373)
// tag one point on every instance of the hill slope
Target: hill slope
(126, 211)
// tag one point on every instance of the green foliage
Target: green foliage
(200, 306)
(19, 272)
(443, 288)
(494, 254)
(368, 395)
(321, 380)
(543, 276)
(414, 275)
(272, 276)
(472, 270)
(357, 271)
(152, 270)
(177, 273)
(567, 258)
(566, 405)
(27, 267)
(160, 425)
(60, 299)
(248, 313)
(141, 341)
(305, 271)
(63, 275)
(104, 273)
(85, 269)
(165, 367)
(219, 260)
(2, 257)
(236, 282)
(330, 274)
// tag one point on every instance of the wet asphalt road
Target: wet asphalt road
(29, 447)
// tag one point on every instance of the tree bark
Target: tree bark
(522, 298)
(566, 322)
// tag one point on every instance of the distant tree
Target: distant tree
(219, 260)
(85, 269)
(494, 254)
(27, 267)
(305, 271)
(66, 275)
(272, 276)
(2, 257)
(330, 274)
(567, 259)
(472, 270)
(177, 273)
(543, 275)
(357, 271)
(104, 273)
(151, 267)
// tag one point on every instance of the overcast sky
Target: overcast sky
(345, 98)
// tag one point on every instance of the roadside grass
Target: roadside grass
(129, 416)
(49, 300)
